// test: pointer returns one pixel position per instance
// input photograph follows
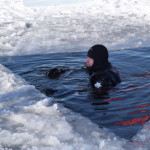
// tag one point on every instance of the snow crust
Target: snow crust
(116, 24)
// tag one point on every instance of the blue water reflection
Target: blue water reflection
(123, 110)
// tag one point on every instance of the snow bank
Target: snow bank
(15, 19)
(43, 124)
(30, 120)
(116, 24)
(142, 140)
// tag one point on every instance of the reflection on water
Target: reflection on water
(123, 109)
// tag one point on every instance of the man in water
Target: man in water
(102, 74)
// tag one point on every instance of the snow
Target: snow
(142, 139)
(29, 119)
(26, 30)
(44, 124)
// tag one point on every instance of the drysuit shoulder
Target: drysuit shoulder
(105, 79)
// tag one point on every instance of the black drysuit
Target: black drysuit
(102, 73)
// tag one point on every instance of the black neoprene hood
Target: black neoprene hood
(100, 55)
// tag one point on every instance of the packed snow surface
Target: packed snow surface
(29, 119)
(116, 24)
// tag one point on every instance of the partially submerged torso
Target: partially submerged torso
(99, 78)
(104, 78)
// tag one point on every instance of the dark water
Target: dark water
(123, 110)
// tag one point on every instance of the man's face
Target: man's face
(89, 62)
